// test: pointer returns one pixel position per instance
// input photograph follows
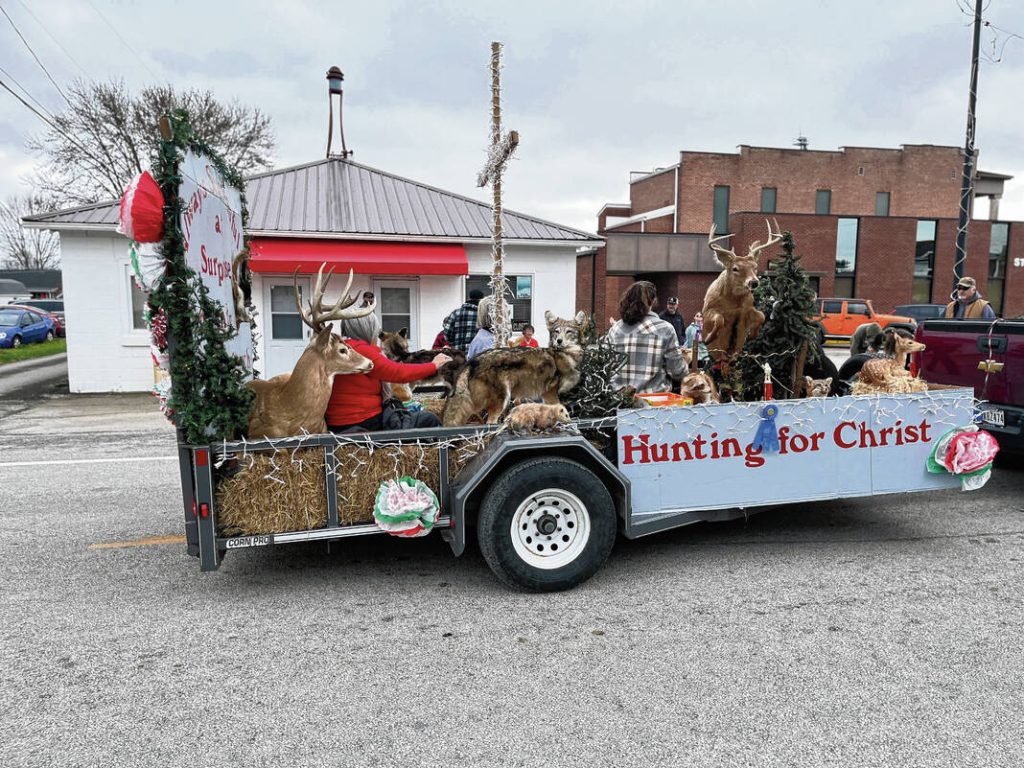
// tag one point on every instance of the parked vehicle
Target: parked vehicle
(986, 356)
(841, 317)
(23, 326)
(51, 306)
(58, 323)
(548, 508)
(921, 312)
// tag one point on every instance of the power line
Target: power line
(26, 92)
(54, 39)
(126, 43)
(41, 66)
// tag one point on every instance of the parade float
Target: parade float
(547, 490)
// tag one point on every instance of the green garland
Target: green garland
(595, 396)
(208, 399)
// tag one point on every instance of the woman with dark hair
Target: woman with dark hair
(358, 400)
(650, 343)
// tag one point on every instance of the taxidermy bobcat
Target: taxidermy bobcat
(817, 387)
(395, 346)
(492, 380)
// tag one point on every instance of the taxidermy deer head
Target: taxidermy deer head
(295, 403)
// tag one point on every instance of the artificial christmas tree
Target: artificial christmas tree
(788, 339)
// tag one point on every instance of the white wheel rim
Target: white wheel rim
(550, 529)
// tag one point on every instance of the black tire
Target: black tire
(16, 342)
(49, 335)
(563, 494)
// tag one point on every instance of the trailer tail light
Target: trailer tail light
(194, 513)
(204, 510)
(202, 457)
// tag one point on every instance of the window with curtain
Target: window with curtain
(721, 210)
(823, 202)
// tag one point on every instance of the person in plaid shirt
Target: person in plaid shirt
(460, 326)
(649, 342)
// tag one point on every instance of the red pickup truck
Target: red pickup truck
(988, 356)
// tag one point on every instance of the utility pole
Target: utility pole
(967, 181)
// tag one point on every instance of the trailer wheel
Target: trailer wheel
(546, 524)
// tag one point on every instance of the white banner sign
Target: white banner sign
(212, 226)
(711, 457)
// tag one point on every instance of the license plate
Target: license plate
(994, 417)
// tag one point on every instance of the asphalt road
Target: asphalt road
(871, 632)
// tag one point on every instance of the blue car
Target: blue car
(22, 326)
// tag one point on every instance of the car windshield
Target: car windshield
(9, 318)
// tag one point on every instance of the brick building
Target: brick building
(873, 223)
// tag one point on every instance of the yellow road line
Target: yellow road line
(146, 542)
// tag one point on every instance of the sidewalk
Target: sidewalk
(35, 362)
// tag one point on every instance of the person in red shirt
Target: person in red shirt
(527, 339)
(356, 402)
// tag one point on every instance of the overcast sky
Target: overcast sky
(595, 89)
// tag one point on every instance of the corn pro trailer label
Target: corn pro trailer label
(706, 457)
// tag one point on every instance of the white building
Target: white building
(419, 249)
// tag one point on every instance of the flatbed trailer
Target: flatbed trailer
(547, 508)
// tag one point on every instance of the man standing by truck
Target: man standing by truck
(967, 303)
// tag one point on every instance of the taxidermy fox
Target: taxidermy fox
(492, 380)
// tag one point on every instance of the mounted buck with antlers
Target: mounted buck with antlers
(294, 403)
(729, 313)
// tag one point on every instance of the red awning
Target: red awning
(367, 258)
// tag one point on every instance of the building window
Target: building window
(721, 210)
(395, 308)
(997, 249)
(924, 263)
(881, 203)
(846, 257)
(138, 304)
(815, 283)
(519, 295)
(285, 320)
(768, 199)
(823, 202)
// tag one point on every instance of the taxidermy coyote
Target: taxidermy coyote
(396, 347)
(491, 381)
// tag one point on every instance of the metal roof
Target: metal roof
(339, 197)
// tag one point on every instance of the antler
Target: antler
(317, 317)
(717, 248)
(773, 238)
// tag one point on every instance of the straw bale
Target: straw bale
(274, 494)
(362, 470)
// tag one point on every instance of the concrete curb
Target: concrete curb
(36, 362)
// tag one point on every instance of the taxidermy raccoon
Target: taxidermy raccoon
(817, 387)
(492, 380)
(395, 346)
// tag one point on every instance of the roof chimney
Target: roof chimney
(334, 80)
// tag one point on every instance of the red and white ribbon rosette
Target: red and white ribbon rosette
(142, 210)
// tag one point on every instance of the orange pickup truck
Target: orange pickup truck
(840, 317)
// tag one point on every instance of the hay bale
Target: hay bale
(272, 493)
(361, 470)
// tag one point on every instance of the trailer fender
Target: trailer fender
(504, 451)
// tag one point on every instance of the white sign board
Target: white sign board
(211, 223)
(706, 456)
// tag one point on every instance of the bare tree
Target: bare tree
(22, 248)
(107, 135)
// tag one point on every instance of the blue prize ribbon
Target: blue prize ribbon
(767, 437)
